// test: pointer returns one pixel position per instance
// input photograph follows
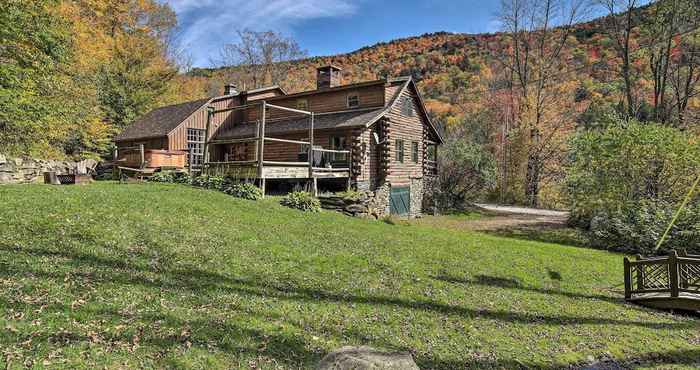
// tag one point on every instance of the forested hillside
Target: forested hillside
(638, 63)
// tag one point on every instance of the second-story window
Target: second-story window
(303, 104)
(399, 150)
(407, 107)
(353, 101)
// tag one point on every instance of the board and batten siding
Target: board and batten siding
(177, 139)
(153, 143)
(409, 129)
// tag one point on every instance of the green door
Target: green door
(400, 201)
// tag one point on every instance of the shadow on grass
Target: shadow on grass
(507, 283)
(545, 232)
(291, 350)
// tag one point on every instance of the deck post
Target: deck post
(207, 130)
(143, 156)
(673, 273)
(189, 162)
(628, 279)
(261, 148)
(314, 181)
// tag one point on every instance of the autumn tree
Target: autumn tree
(619, 25)
(537, 32)
(259, 58)
(34, 43)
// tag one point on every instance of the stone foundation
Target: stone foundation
(430, 184)
(416, 206)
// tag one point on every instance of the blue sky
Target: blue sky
(325, 27)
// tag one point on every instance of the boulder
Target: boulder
(3, 159)
(367, 358)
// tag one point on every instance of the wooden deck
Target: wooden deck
(671, 282)
(261, 169)
(274, 171)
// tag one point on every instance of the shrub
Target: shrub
(245, 191)
(626, 181)
(209, 182)
(467, 172)
(303, 201)
(350, 195)
(183, 178)
(637, 228)
(167, 177)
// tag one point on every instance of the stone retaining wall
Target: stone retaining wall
(24, 170)
(369, 204)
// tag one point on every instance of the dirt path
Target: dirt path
(518, 217)
(501, 218)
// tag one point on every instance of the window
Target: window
(195, 145)
(303, 104)
(414, 152)
(353, 101)
(407, 107)
(432, 153)
(399, 150)
(338, 143)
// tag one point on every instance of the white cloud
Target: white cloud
(208, 24)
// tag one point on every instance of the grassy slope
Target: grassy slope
(166, 275)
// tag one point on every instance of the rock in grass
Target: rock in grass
(367, 358)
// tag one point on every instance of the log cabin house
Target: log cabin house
(374, 137)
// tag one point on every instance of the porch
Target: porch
(259, 158)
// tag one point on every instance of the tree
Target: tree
(259, 58)
(537, 32)
(619, 24)
(137, 75)
(467, 168)
(671, 55)
(34, 43)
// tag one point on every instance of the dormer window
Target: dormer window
(353, 101)
(303, 104)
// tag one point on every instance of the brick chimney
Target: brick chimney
(230, 89)
(327, 77)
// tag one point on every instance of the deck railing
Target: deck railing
(260, 139)
(674, 275)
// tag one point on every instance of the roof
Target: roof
(332, 89)
(159, 122)
(346, 119)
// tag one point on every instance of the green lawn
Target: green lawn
(146, 275)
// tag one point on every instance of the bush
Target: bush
(303, 201)
(245, 191)
(183, 178)
(637, 228)
(350, 195)
(626, 181)
(167, 177)
(467, 172)
(209, 182)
